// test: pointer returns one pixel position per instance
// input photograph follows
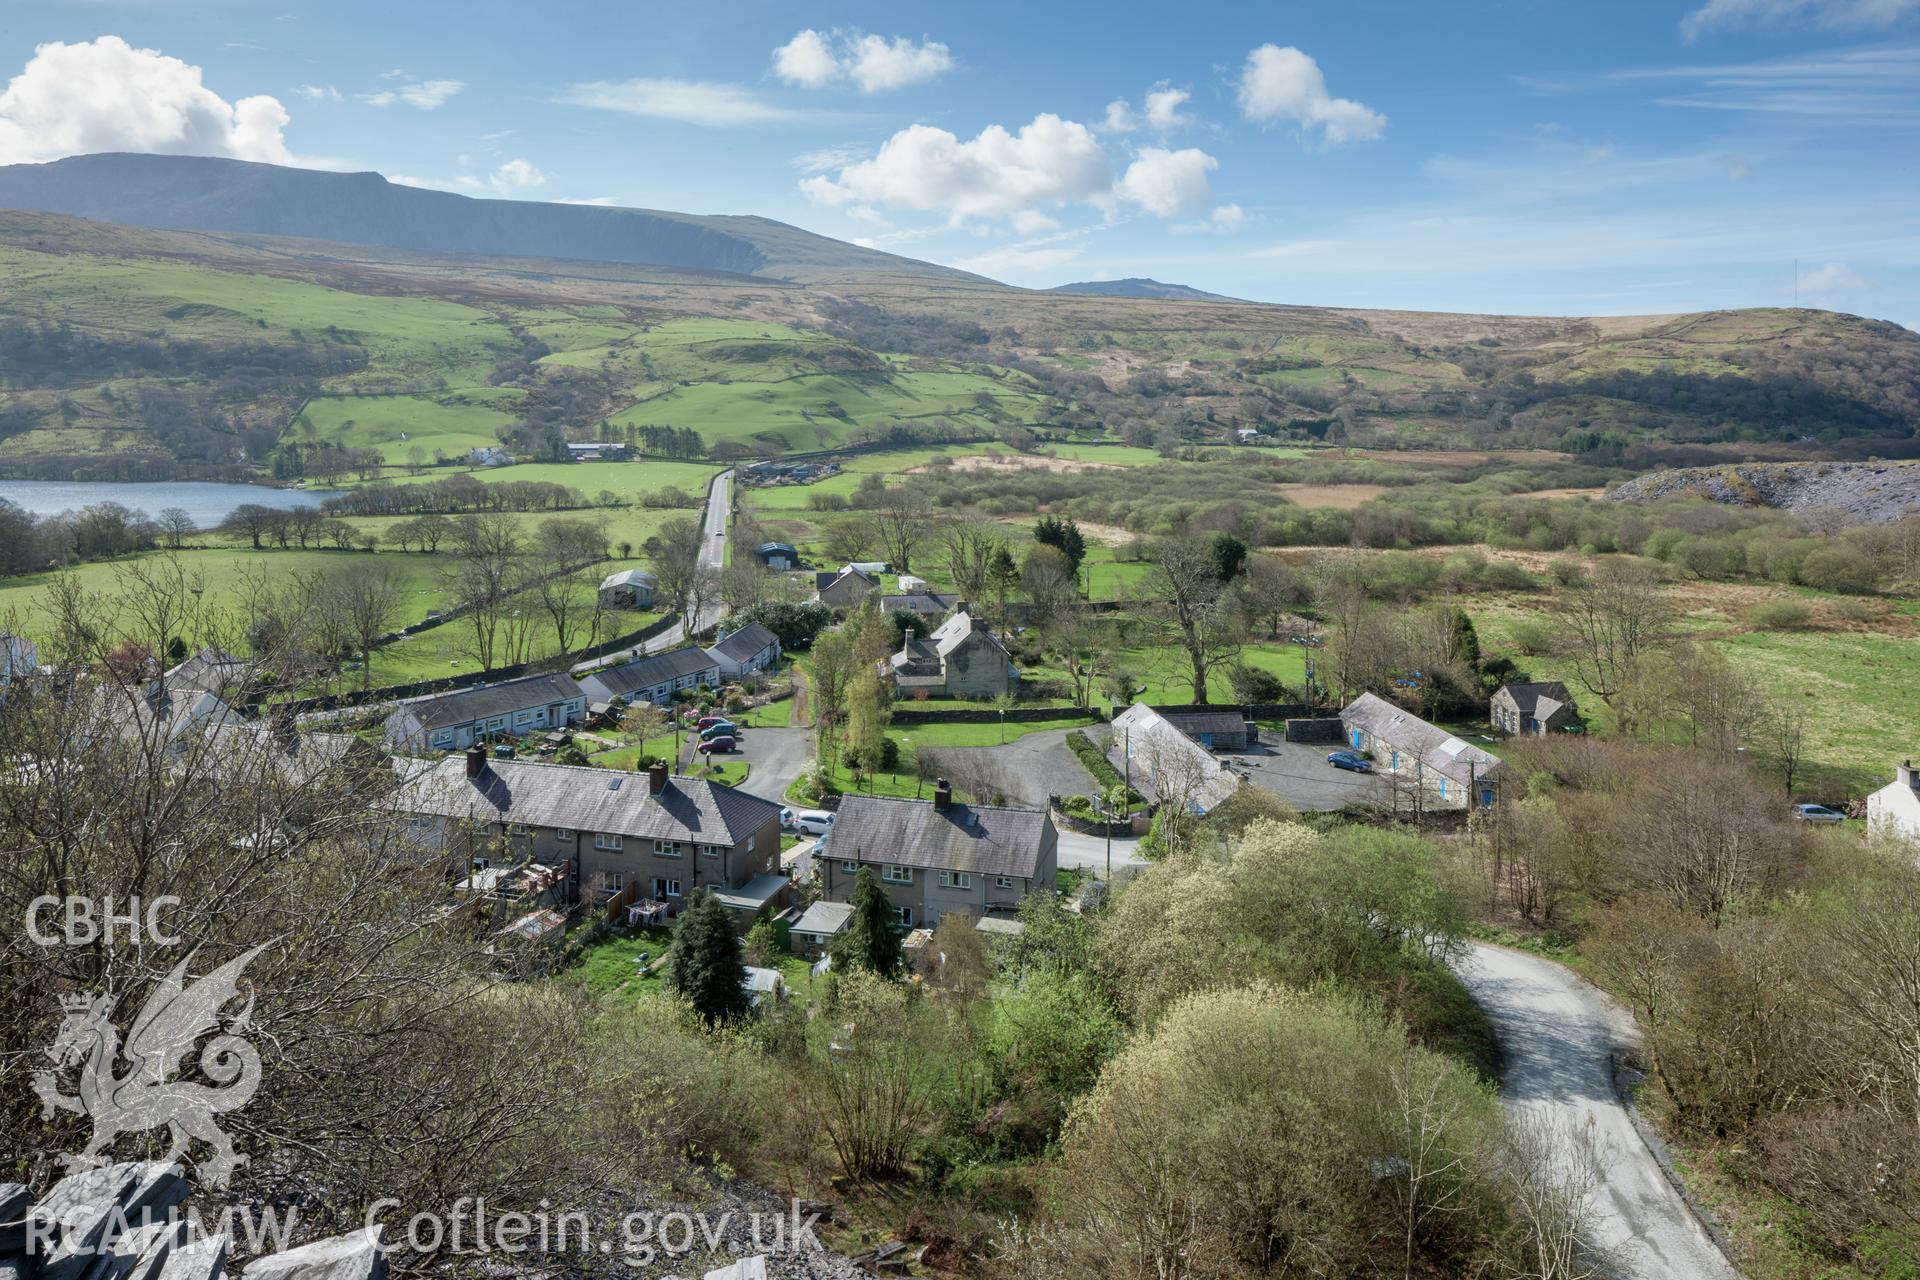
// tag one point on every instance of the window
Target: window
(666, 849)
(955, 880)
(477, 864)
(851, 868)
(1003, 882)
(516, 828)
(749, 844)
(603, 840)
(673, 888)
(899, 875)
(906, 917)
(712, 850)
(616, 881)
(563, 833)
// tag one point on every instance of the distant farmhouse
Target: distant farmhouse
(487, 456)
(657, 836)
(744, 651)
(927, 604)
(1448, 772)
(510, 709)
(1533, 709)
(961, 659)
(655, 678)
(846, 589)
(628, 589)
(936, 857)
(1894, 810)
(597, 451)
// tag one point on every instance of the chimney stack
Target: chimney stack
(942, 795)
(476, 760)
(1908, 775)
(656, 777)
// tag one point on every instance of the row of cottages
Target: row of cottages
(1894, 810)
(1533, 709)
(628, 589)
(658, 835)
(654, 678)
(846, 588)
(935, 857)
(511, 709)
(1165, 764)
(1449, 772)
(961, 659)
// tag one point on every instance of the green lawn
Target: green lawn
(449, 424)
(610, 968)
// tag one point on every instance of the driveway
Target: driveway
(778, 756)
(1298, 773)
(1089, 853)
(1557, 1036)
(1032, 768)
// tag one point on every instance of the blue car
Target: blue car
(1349, 760)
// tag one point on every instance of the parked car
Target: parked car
(719, 729)
(1349, 760)
(787, 820)
(1817, 813)
(716, 746)
(813, 822)
(707, 722)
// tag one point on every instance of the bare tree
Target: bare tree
(675, 554)
(745, 583)
(901, 521)
(1270, 591)
(1182, 586)
(1048, 580)
(1785, 733)
(368, 599)
(1613, 617)
(969, 545)
(1075, 637)
(565, 553)
(482, 579)
(176, 523)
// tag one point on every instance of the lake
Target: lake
(207, 502)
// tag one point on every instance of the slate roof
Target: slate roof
(467, 705)
(645, 673)
(826, 578)
(211, 669)
(1538, 698)
(1148, 734)
(775, 548)
(1431, 745)
(1195, 723)
(754, 894)
(586, 799)
(743, 644)
(296, 758)
(921, 602)
(983, 839)
(630, 578)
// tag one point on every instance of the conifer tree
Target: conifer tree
(704, 964)
(870, 940)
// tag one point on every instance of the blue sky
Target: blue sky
(1550, 158)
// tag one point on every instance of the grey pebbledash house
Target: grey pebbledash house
(1533, 709)
(664, 836)
(745, 650)
(933, 857)
(510, 709)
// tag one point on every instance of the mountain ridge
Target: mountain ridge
(1142, 287)
(213, 194)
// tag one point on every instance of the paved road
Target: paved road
(1557, 1033)
(1089, 853)
(719, 506)
(1032, 768)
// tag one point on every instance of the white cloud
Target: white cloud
(318, 92)
(516, 176)
(997, 174)
(1286, 84)
(829, 158)
(813, 60)
(807, 60)
(1163, 109)
(1831, 280)
(1120, 118)
(1169, 184)
(1224, 220)
(427, 95)
(1031, 222)
(106, 95)
(719, 106)
(1841, 14)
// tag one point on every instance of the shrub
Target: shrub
(1840, 569)
(1251, 684)
(1094, 759)
(1779, 615)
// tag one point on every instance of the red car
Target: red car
(715, 746)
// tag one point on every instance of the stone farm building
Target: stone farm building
(509, 709)
(1533, 709)
(932, 857)
(1447, 771)
(847, 589)
(1165, 764)
(664, 836)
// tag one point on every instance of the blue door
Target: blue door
(1356, 739)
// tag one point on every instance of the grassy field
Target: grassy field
(448, 424)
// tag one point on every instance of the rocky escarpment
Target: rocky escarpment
(1865, 492)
